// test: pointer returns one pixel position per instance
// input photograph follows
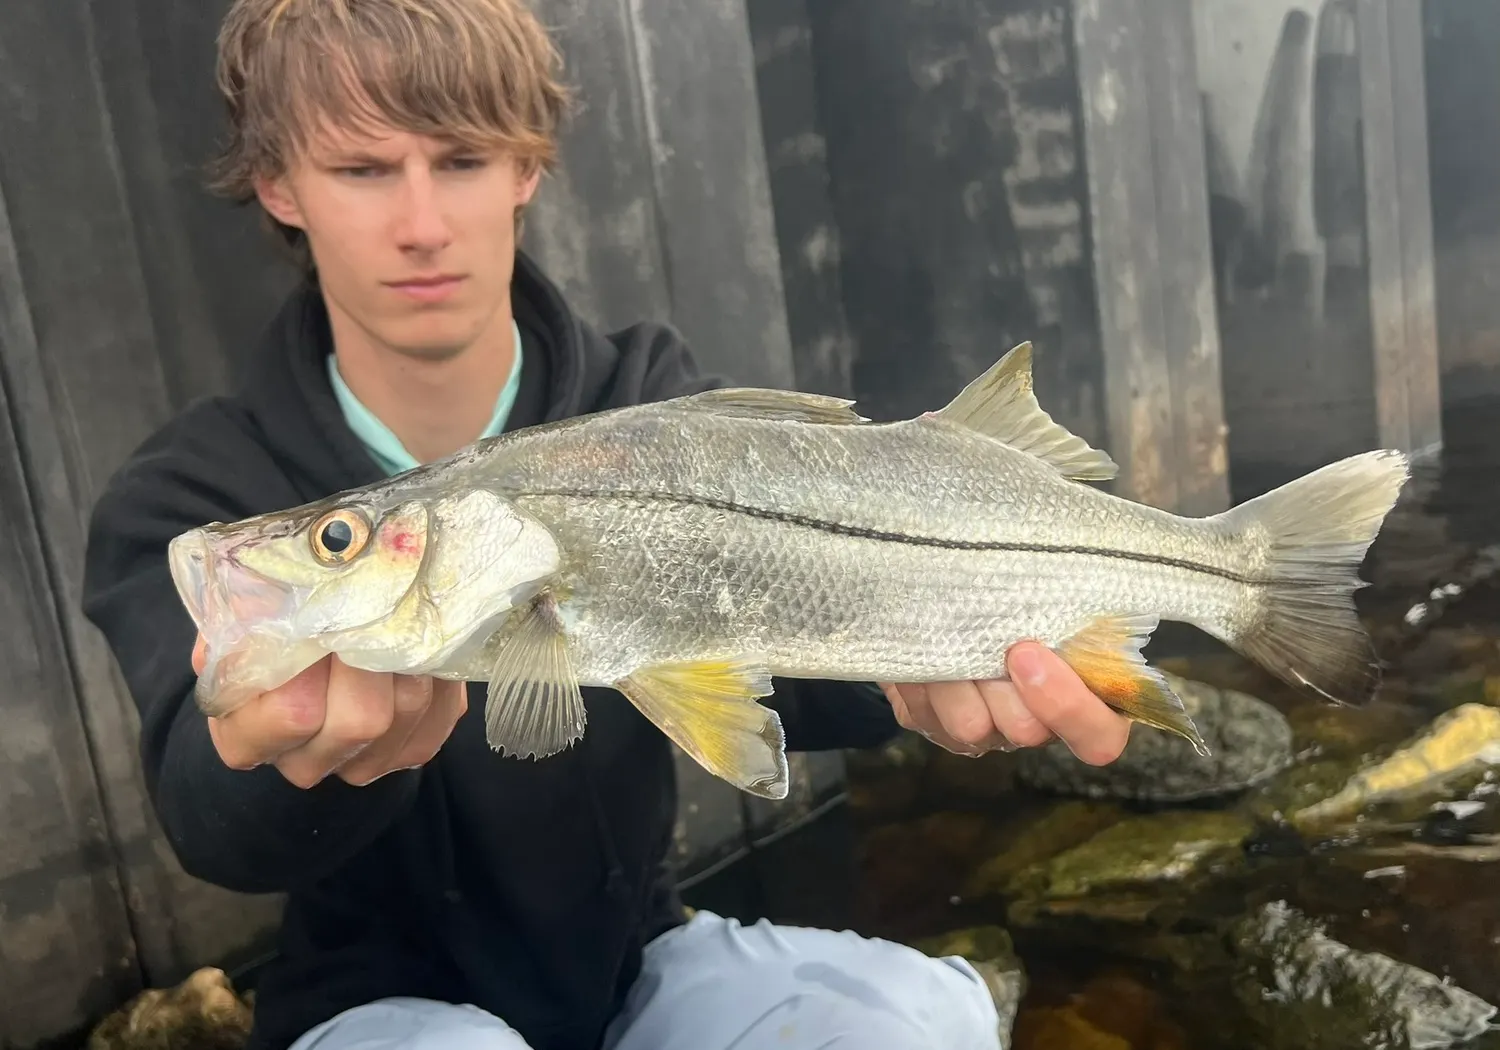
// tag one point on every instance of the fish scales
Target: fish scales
(917, 479)
(647, 582)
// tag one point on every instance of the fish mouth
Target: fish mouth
(227, 601)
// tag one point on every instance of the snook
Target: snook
(686, 552)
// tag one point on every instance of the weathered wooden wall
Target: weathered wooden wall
(126, 291)
(1212, 217)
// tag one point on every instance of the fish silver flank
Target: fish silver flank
(685, 552)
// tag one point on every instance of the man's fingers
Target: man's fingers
(1060, 700)
(1010, 715)
(449, 702)
(275, 722)
(361, 710)
(924, 708)
(963, 714)
(411, 697)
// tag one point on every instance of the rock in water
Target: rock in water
(1249, 739)
(201, 1013)
(1459, 743)
(1308, 990)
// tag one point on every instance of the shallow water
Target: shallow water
(1120, 953)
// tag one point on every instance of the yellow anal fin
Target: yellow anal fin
(1107, 656)
(708, 708)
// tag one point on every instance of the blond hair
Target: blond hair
(481, 73)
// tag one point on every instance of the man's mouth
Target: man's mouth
(428, 289)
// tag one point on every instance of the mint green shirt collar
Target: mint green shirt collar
(379, 439)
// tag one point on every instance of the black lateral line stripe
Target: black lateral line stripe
(859, 532)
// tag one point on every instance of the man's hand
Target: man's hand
(1043, 698)
(336, 719)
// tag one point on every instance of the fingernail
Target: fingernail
(1026, 666)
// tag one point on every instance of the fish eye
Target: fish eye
(339, 536)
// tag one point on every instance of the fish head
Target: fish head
(387, 579)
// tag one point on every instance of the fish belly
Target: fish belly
(651, 582)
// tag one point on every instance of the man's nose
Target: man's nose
(422, 225)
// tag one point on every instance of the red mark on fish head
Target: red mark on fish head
(404, 541)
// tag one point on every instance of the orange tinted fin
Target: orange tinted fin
(1107, 656)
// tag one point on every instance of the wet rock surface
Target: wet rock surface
(202, 1013)
(1249, 740)
(1303, 988)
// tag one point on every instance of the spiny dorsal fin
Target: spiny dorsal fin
(758, 403)
(1001, 404)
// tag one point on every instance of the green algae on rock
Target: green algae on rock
(1304, 989)
(1062, 827)
(1119, 875)
(1249, 741)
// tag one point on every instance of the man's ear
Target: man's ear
(528, 176)
(279, 202)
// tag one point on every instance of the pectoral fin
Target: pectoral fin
(1107, 656)
(758, 403)
(709, 710)
(1001, 404)
(535, 707)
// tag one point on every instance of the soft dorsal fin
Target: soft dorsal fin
(769, 403)
(1001, 404)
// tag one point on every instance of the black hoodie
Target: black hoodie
(526, 888)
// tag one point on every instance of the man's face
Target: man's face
(414, 238)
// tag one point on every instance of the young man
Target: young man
(440, 895)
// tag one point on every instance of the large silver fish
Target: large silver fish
(683, 552)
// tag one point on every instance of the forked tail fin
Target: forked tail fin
(1312, 535)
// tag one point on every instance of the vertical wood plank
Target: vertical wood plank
(594, 226)
(67, 951)
(697, 77)
(97, 383)
(1383, 225)
(823, 347)
(1421, 351)
(1110, 38)
(1189, 317)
